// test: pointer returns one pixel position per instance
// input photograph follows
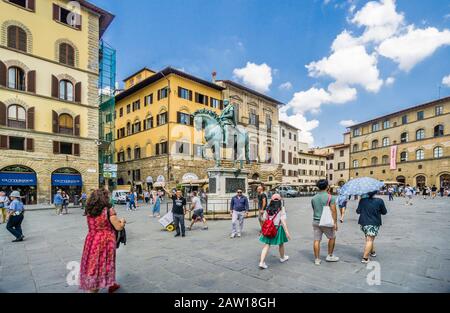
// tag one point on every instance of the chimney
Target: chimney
(214, 75)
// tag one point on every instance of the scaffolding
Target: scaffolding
(106, 87)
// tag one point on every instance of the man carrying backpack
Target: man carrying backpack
(274, 230)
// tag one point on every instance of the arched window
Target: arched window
(420, 154)
(404, 156)
(438, 152)
(16, 78)
(439, 131)
(355, 147)
(385, 159)
(65, 122)
(420, 134)
(374, 161)
(374, 144)
(404, 137)
(128, 128)
(66, 90)
(16, 116)
(66, 54)
(355, 163)
(365, 145)
(364, 162)
(385, 141)
(129, 153)
(17, 38)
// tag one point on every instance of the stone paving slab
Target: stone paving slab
(412, 247)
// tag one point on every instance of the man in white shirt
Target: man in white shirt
(409, 192)
(198, 215)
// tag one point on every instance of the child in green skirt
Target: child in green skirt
(277, 213)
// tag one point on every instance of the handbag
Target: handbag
(326, 220)
(121, 235)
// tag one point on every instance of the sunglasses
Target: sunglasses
(239, 192)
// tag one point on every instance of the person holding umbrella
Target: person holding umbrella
(15, 216)
(370, 210)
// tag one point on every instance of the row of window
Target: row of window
(341, 166)
(376, 126)
(27, 144)
(438, 131)
(290, 135)
(292, 173)
(438, 152)
(295, 161)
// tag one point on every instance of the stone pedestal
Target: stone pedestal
(223, 183)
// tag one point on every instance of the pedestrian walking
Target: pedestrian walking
(342, 209)
(58, 201)
(65, 205)
(425, 192)
(156, 208)
(98, 263)
(275, 231)
(324, 199)
(83, 202)
(370, 210)
(408, 194)
(239, 211)
(391, 193)
(4, 203)
(262, 204)
(146, 196)
(178, 211)
(198, 214)
(131, 201)
(433, 191)
(15, 216)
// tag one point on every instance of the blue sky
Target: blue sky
(364, 59)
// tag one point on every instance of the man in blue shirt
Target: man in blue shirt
(239, 210)
(15, 214)
(58, 202)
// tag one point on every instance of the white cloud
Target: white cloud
(286, 86)
(414, 46)
(348, 123)
(309, 100)
(305, 126)
(255, 76)
(380, 19)
(351, 65)
(390, 81)
(446, 81)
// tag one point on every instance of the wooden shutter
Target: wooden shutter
(76, 149)
(152, 122)
(157, 149)
(159, 94)
(179, 92)
(55, 87)
(12, 37)
(55, 12)
(63, 53)
(30, 118)
(3, 142)
(79, 20)
(56, 147)
(22, 37)
(157, 119)
(206, 100)
(30, 145)
(55, 121)
(2, 114)
(178, 117)
(190, 95)
(2, 74)
(78, 92)
(196, 97)
(31, 5)
(118, 134)
(221, 104)
(77, 125)
(191, 120)
(31, 81)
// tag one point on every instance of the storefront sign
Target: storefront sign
(109, 167)
(66, 180)
(189, 177)
(18, 179)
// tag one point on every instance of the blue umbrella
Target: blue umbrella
(360, 186)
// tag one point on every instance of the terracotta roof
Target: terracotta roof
(105, 17)
(420, 106)
(160, 75)
(254, 92)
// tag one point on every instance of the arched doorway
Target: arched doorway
(401, 179)
(22, 179)
(444, 180)
(421, 181)
(68, 180)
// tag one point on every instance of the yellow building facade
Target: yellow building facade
(155, 136)
(49, 54)
(411, 146)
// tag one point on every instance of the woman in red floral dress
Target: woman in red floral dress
(98, 263)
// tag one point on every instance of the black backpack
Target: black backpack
(121, 235)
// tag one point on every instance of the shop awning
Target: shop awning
(18, 179)
(196, 182)
(66, 180)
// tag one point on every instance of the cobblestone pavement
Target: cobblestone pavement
(413, 253)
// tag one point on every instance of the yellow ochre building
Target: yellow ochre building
(49, 107)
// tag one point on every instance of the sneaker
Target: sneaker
(205, 228)
(177, 235)
(183, 235)
(373, 254)
(365, 261)
(317, 261)
(282, 260)
(232, 236)
(18, 239)
(263, 266)
(239, 235)
(332, 258)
